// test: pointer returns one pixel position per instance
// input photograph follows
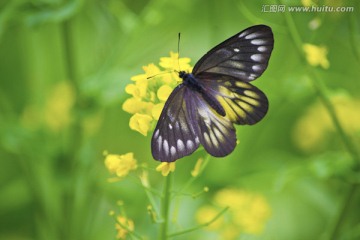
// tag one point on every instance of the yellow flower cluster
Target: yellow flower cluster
(165, 168)
(56, 111)
(150, 91)
(249, 213)
(120, 165)
(312, 131)
(316, 55)
(123, 226)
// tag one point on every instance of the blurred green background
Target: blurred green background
(64, 65)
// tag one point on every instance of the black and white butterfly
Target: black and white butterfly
(216, 95)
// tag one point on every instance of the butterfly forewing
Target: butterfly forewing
(174, 135)
(244, 56)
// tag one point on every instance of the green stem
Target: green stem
(191, 180)
(165, 205)
(342, 214)
(200, 226)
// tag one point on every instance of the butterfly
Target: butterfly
(216, 95)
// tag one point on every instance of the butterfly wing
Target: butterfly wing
(243, 103)
(243, 56)
(216, 133)
(174, 135)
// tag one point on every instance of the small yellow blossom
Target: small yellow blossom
(120, 165)
(138, 90)
(152, 213)
(316, 55)
(197, 167)
(307, 3)
(156, 110)
(141, 123)
(207, 213)
(174, 61)
(165, 168)
(134, 105)
(123, 227)
(164, 92)
(248, 212)
(314, 129)
(58, 107)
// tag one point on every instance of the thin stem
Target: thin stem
(191, 180)
(165, 205)
(342, 214)
(200, 226)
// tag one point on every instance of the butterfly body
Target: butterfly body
(190, 81)
(214, 96)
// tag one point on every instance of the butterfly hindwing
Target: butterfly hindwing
(242, 102)
(174, 135)
(243, 56)
(216, 133)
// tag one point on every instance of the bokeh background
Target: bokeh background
(64, 66)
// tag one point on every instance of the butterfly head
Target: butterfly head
(182, 74)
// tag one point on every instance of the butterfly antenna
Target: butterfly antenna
(158, 74)
(178, 51)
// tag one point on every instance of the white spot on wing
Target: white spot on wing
(214, 140)
(236, 50)
(189, 144)
(252, 35)
(159, 141)
(197, 140)
(173, 151)
(166, 147)
(257, 68)
(207, 138)
(218, 135)
(252, 76)
(257, 57)
(170, 126)
(262, 49)
(258, 41)
(242, 34)
(156, 134)
(180, 145)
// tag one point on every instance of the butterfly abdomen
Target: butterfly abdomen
(190, 81)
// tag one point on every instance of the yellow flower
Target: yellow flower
(249, 211)
(58, 106)
(138, 90)
(313, 130)
(134, 105)
(156, 110)
(307, 3)
(316, 55)
(120, 165)
(164, 92)
(197, 167)
(123, 227)
(141, 123)
(173, 62)
(165, 168)
(205, 214)
(150, 90)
